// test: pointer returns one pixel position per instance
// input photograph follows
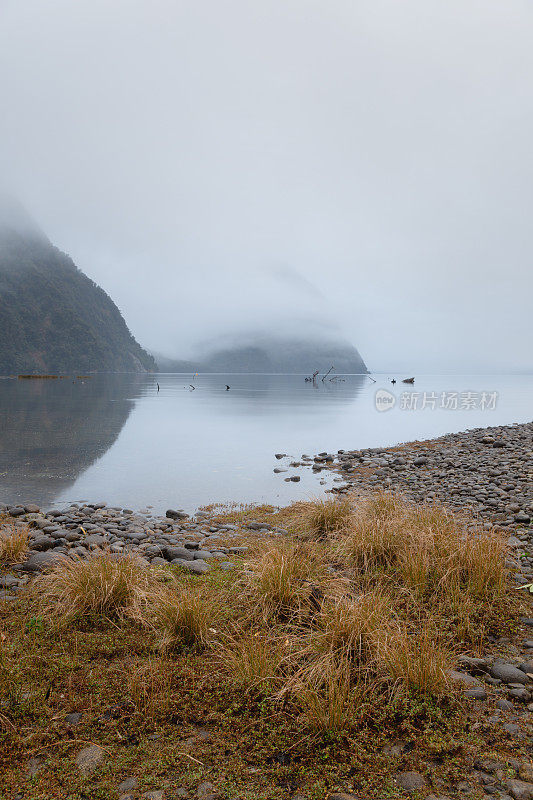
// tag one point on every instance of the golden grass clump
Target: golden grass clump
(424, 550)
(287, 578)
(151, 688)
(351, 626)
(103, 583)
(418, 661)
(253, 660)
(370, 544)
(383, 505)
(323, 696)
(481, 565)
(13, 544)
(180, 616)
(328, 694)
(321, 518)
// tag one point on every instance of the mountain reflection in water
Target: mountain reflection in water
(117, 439)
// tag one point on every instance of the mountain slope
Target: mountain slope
(274, 354)
(53, 318)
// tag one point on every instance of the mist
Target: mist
(353, 169)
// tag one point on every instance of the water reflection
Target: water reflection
(118, 439)
(52, 430)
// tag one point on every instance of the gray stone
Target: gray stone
(504, 705)
(519, 693)
(33, 766)
(154, 550)
(7, 581)
(37, 562)
(508, 673)
(206, 791)
(182, 553)
(39, 522)
(463, 677)
(520, 790)
(410, 781)
(172, 514)
(511, 728)
(474, 664)
(198, 566)
(94, 540)
(205, 555)
(89, 758)
(476, 693)
(73, 719)
(42, 543)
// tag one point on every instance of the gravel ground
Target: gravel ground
(487, 470)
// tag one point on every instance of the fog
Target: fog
(295, 166)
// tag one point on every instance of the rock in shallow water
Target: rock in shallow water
(172, 514)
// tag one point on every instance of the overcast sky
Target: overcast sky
(220, 166)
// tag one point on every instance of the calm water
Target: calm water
(117, 439)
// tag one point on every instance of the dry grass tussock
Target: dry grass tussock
(181, 616)
(321, 518)
(426, 551)
(351, 626)
(418, 661)
(330, 625)
(151, 687)
(13, 544)
(328, 696)
(287, 579)
(254, 658)
(103, 583)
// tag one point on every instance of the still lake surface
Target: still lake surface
(115, 438)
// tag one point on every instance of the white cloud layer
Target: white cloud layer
(223, 166)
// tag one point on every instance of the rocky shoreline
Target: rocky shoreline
(487, 472)
(190, 543)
